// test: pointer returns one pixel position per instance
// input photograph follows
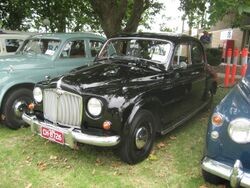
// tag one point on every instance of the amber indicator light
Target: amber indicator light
(217, 120)
(106, 125)
(31, 106)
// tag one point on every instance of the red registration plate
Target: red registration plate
(52, 135)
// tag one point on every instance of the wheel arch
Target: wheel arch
(152, 104)
(27, 85)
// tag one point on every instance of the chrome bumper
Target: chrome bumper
(71, 135)
(235, 175)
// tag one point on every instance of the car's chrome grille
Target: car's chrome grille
(62, 107)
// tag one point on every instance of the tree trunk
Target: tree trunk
(112, 14)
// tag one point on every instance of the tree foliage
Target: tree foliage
(13, 14)
(203, 14)
(240, 9)
(110, 16)
(195, 12)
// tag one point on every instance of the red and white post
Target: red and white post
(234, 68)
(244, 55)
(227, 73)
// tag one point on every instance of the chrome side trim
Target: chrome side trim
(71, 135)
(235, 174)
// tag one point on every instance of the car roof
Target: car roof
(173, 37)
(65, 36)
(14, 35)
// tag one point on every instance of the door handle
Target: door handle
(195, 73)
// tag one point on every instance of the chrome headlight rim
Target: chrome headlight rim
(38, 94)
(231, 130)
(90, 111)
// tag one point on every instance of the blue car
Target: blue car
(227, 151)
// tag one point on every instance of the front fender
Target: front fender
(151, 104)
(9, 80)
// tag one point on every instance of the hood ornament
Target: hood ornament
(59, 83)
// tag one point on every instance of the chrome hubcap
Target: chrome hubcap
(141, 137)
(19, 108)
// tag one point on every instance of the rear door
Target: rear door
(198, 76)
(188, 83)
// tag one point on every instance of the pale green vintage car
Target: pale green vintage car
(41, 57)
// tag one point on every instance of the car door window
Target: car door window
(182, 56)
(74, 49)
(95, 47)
(12, 44)
(197, 53)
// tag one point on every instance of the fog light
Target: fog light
(214, 135)
(106, 125)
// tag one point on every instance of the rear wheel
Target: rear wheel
(138, 141)
(14, 105)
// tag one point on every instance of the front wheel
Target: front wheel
(14, 105)
(137, 142)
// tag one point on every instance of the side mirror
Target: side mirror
(214, 56)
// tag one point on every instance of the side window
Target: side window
(73, 49)
(197, 54)
(95, 47)
(12, 44)
(182, 56)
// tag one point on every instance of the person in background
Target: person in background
(205, 39)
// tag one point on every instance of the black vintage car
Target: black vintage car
(141, 84)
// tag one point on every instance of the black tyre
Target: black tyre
(137, 142)
(13, 106)
(212, 178)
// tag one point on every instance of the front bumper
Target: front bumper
(235, 175)
(72, 136)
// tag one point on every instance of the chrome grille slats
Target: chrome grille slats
(62, 107)
(50, 105)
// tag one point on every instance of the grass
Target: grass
(29, 161)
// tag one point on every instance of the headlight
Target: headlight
(239, 130)
(38, 94)
(94, 107)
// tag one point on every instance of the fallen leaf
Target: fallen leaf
(28, 158)
(47, 142)
(203, 186)
(41, 165)
(116, 173)
(161, 175)
(98, 162)
(65, 160)
(152, 157)
(173, 137)
(93, 172)
(160, 145)
(68, 167)
(115, 165)
(53, 157)
(29, 185)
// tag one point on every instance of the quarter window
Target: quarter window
(74, 49)
(12, 44)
